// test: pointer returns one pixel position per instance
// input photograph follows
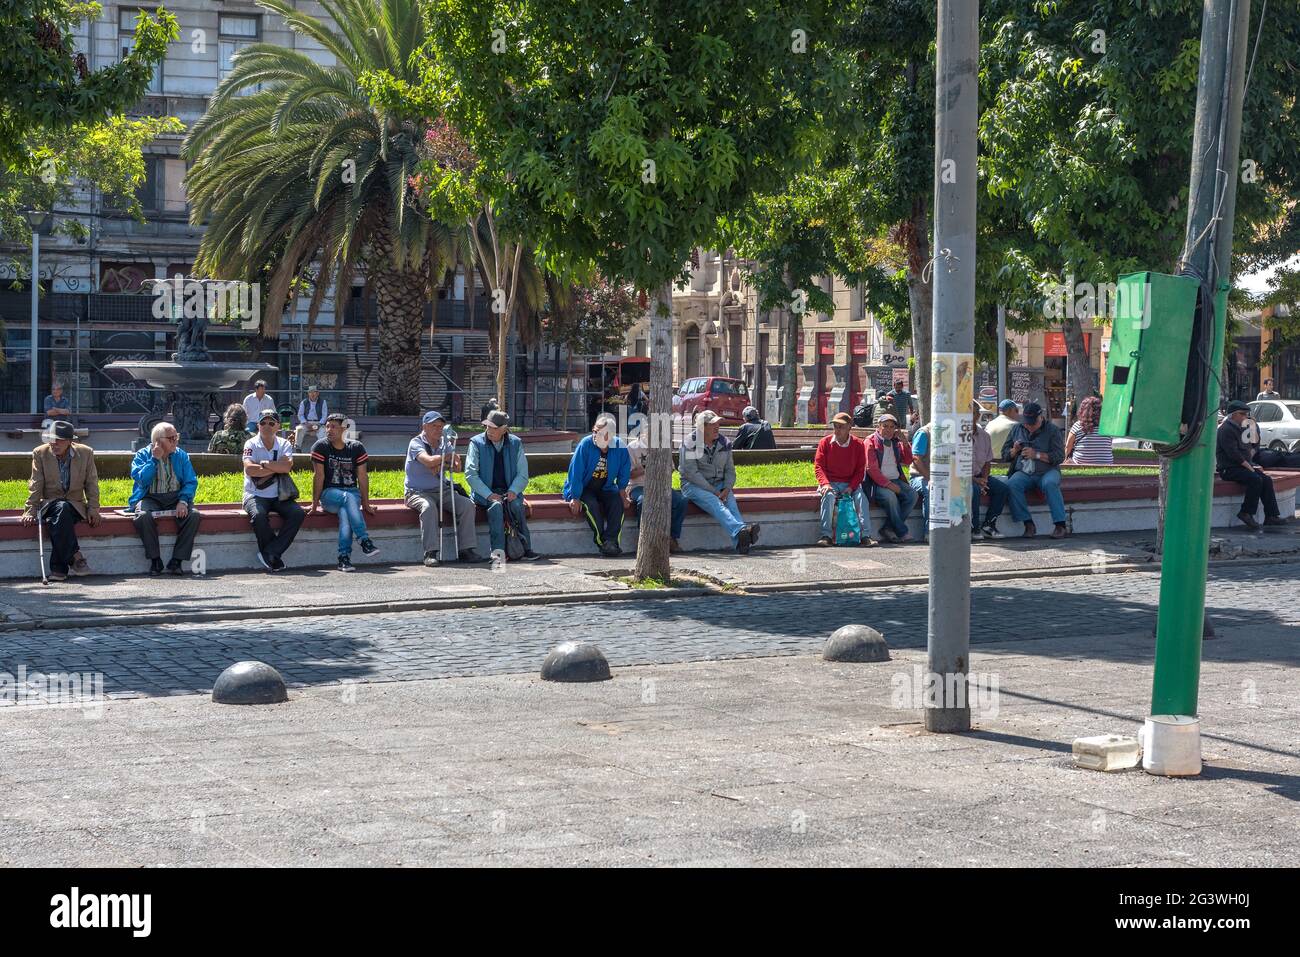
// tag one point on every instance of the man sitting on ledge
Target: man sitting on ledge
(597, 483)
(1234, 463)
(709, 479)
(63, 490)
(164, 481)
(496, 471)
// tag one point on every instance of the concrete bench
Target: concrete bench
(789, 517)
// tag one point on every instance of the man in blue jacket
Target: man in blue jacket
(597, 483)
(496, 471)
(164, 480)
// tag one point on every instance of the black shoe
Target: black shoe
(345, 564)
(889, 535)
(991, 531)
(1030, 530)
(1274, 520)
(743, 541)
(607, 549)
(277, 565)
(368, 547)
(431, 560)
(824, 542)
(1060, 531)
(57, 574)
(1248, 521)
(531, 556)
(753, 534)
(155, 566)
(263, 561)
(470, 557)
(174, 567)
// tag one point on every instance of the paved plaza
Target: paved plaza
(722, 739)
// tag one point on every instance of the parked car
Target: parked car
(1279, 423)
(727, 397)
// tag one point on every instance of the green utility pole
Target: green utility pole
(1208, 252)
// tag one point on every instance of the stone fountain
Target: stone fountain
(190, 379)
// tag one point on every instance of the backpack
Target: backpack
(514, 541)
(848, 531)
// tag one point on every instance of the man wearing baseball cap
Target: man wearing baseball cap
(427, 463)
(1000, 425)
(840, 464)
(1035, 448)
(709, 479)
(1233, 461)
(888, 455)
(266, 457)
(63, 490)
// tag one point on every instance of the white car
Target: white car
(1279, 423)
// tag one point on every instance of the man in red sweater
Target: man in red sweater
(840, 464)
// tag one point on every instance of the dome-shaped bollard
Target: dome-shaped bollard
(575, 661)
(249, 682)
(856, 643)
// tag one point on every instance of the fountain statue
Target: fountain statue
(188, 383)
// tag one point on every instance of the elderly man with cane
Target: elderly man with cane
(63, 490)
(431, 490)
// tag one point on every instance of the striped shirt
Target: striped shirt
(1091, 448)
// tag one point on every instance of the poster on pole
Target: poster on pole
(951, 437)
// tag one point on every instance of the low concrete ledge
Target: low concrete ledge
(789, 518)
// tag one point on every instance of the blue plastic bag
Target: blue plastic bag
(848, 531)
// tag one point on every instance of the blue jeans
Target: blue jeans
(679, 508)
(829, 503)
(997, 499)
(346, 503)
(497, 523)
(897, 506)
(1050, 484)
(921, 486)
(728, 516)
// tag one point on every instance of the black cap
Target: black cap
(1031, 411)
(1236, 405)
(62, 430)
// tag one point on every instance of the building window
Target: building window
(126, 20)
(236, 31)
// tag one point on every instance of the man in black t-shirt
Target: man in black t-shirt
(341, 485)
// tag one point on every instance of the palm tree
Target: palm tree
(300, 176)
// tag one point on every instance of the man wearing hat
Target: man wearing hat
(266, 458)
(424, 469)
(754, 433)
(1035, 448)
(709, 479)
(63, 490)
(311, 413)
(496, 471)
(1000, 426)
(888, 455)
(1233, 460)
(840, 464)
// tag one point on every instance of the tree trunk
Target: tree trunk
(656, 504)
(400, 298)
(1082, 381)
(503, 342)
(920, 294)
(790, 378)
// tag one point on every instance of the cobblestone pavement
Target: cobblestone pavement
(186, 658)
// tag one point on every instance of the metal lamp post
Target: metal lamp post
(35, 219)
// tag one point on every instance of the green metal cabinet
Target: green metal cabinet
(1146, 369)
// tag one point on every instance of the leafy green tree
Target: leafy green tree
(46, 86)
(621, 133)
(306, 177)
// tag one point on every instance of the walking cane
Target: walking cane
(442, 484)
(40, 543)
(449, 437)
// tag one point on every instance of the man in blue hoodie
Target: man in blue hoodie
(164, 481)
(597, 483)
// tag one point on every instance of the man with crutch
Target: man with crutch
(430, 461)
(63, 490)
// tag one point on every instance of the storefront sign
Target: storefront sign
(1054, 344)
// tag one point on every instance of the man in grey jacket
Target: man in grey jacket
(709, 479)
